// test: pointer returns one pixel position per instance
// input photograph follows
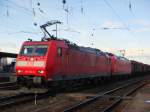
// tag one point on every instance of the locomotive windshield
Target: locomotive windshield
(34, 50)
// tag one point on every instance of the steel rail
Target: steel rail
(8, 85)
(100, 95)
(21, 98)
(117, 101)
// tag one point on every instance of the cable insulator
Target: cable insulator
(64, 1)
(38, 4)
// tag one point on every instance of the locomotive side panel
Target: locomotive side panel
(74, 64)
(120, 66)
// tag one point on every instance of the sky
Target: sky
(109, 25)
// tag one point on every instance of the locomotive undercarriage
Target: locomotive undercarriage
(39, 83)
(31, 81)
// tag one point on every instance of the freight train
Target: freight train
(54, 60)
(40, 62)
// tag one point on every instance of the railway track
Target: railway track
(8, 85)
(6, 102)
(4, 77)
(105, 102)
(70, 104)
(65, 101)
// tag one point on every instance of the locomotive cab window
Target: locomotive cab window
(27, 50)
(41, 50)
(59, 51)
(34, 50)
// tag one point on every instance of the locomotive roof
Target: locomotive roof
(91, 50)
(123, 58)
(119, 57)
(28, 42)
(74, 46)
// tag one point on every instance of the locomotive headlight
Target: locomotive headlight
(40, 71)
(19, 71)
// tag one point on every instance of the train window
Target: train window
(27, 50)
(41, 50)
(35, 50)
(59, 51)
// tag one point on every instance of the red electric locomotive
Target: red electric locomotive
(120, 65)
(52, 60)
(57, 60)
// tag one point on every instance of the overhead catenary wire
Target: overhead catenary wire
(18, 6)
(82, 11)
(66, 9)
(7, 12)
(118, 16)
(14, 6)
(130, 5)
(27, 10)
(26, 32)
(64, 2)
(10, 6)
